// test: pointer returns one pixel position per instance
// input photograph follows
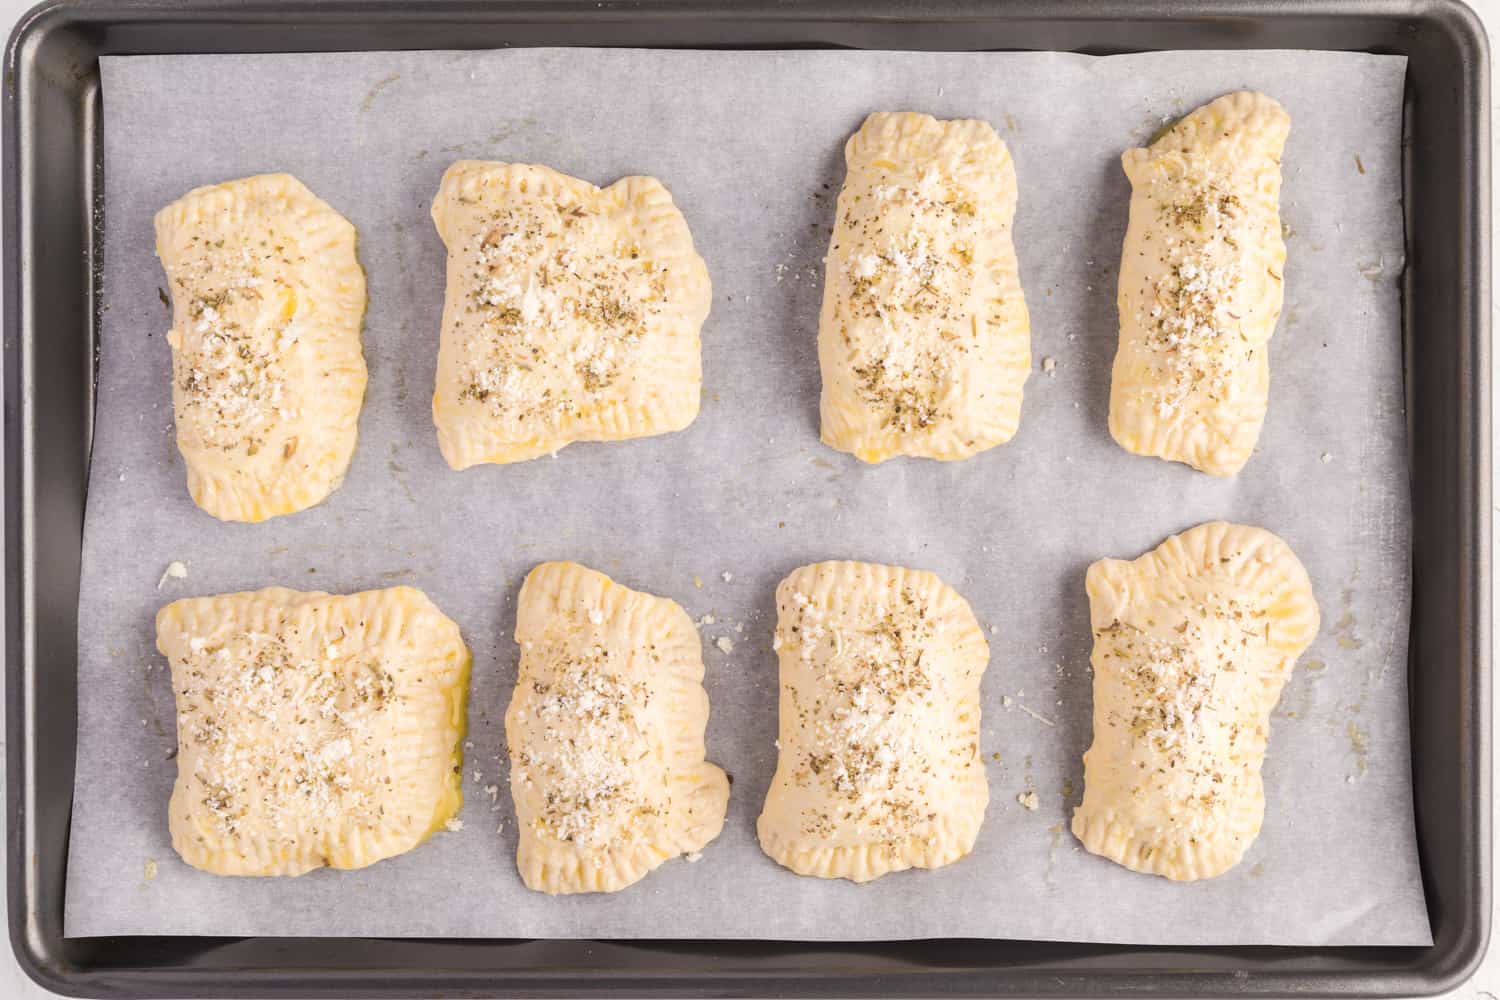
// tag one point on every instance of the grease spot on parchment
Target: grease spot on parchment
(153, 714)
(1054, 833)
(1345, 629)
(504, 132)
(1297, 702)
(1359, 746)
(1344, 632)
(374, 91)
(398, 473)
(1372, 270)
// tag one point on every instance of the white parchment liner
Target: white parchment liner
(750, 144)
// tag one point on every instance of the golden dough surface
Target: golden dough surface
(879, 767)
(572, 312)
(605, 730)
(1201, 286)
(312, 729)
(1193, 642)
(924, 338)
(268, 373)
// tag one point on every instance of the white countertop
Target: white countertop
(1486, 982)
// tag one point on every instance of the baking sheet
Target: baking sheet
(750, 143)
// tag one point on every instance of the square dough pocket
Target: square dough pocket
(605, 730)
(1193, 642)
(268, 374)
(1201, 286)
(572, 313)
(879, 767)
(924, 340)
(312, 729)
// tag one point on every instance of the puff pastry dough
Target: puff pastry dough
(605, 731)
(267, 371)
(312, 729)
(1201, 286)
(572, 313)
(1192, 645)
(879, 768)
(924, 340)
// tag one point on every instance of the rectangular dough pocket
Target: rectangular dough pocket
(1201, 286)
(924, 339)
(605, 730)
(1192, 644)
(879, 767)
(572, 313)
(312, 729)
(268, 374)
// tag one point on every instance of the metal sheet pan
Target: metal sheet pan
(51, 189)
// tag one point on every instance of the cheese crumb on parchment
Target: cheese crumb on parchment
(175, 571)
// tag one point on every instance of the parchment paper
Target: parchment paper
(751, 146)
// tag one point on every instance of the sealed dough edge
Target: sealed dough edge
(409, 764)
(311, 453)
(957, 390)
(956, 798)
(1260, 572)
(670, 377)
(568, 607)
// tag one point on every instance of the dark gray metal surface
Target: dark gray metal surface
(51, 187)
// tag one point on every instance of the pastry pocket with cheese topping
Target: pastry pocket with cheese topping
(268, 374)
(312, 729)
(605, 730)
(924, 340)
(572, 313)
(1201, 286)
(879, 767)
(1192, 644)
